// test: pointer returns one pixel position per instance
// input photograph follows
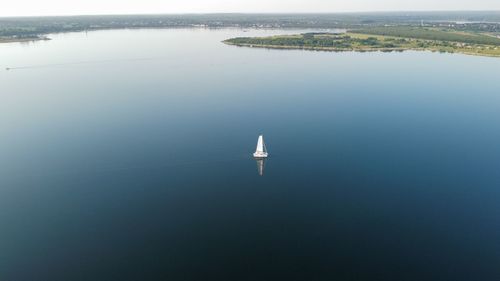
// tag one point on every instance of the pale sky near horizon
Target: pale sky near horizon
(90, 7)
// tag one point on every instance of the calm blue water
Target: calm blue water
(126, 155)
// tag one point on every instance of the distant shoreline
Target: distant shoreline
(459, 21)
(23, 39)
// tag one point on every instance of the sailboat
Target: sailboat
(261, 151)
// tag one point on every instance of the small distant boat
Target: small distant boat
(261, 151)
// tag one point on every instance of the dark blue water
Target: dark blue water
(126, 155)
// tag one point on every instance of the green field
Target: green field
(431, 34)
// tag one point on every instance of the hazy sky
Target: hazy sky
(72, 7)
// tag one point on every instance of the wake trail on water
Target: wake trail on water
(79, 63)
(168, 163)
(39, 66)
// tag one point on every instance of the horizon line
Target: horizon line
(252, 13)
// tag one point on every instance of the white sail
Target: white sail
(260, 144)
(261, 151)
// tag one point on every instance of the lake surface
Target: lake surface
(126, 155)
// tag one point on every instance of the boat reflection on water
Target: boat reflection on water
(260, 165)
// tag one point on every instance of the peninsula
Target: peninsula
(23, 39)
(385, 39)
